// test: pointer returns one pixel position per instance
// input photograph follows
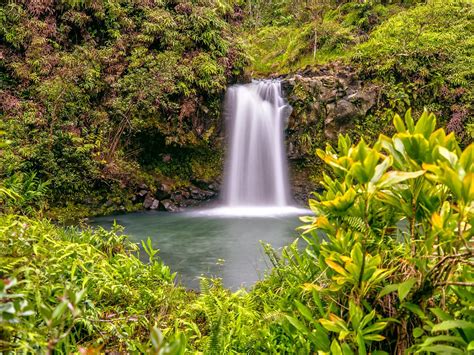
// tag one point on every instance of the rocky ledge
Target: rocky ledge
(326, 101)
(166, 198)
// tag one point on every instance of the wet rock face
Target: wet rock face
(168, 205)
(326, 101)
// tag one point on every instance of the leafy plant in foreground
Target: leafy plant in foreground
(389, 250)
(387, 268)
(63, 289)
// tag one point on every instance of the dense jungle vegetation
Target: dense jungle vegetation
(100, 97)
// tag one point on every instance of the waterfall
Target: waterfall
(256, 169)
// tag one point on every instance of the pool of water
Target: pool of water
(213, 242)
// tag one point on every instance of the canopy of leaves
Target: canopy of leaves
(429, 50)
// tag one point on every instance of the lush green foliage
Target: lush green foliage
(419, 53)
(98, 96)
(395, 253)
(86, 86)
(423, 57)
(386, 268)
(294, 34)
(63, 289)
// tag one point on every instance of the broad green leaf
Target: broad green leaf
(357, 255)
(346, 349)
(335, 324)
(156, 337)
(426, 124)
(417, 147)
(342, 202)
(398, 123)
(442, 315)
(467, 158)
(305, 311)
(297, 324)
(415, 309)
(404, 288)
(470, 347)
(381, 169)
(374, 337)
(453, 324)
(45, 312)
(443, 349)
(388, 289)
(335, 348)
(444, 338)
(361, 344)
(367, 319)
(394, 177)
(319, 337)
(59, 310)
(356, 314)
(450, 157)
(377, 326)
(468, 188)
(336, 267)
(409, 121)
(418, 332)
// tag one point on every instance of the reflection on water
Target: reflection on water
(193, 244)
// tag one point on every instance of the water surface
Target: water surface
(195, 244)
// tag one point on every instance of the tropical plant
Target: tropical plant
(390, 239)
(62, 289)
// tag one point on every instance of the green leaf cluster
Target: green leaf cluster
(84, 82)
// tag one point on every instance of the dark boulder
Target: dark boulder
(163, 192)
(148, 201)
(168, 205)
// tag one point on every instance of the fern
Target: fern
(214, 316)
(357, 224)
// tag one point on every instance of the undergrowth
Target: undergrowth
(385, 267)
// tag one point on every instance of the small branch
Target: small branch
(456, 283)
(447, 257)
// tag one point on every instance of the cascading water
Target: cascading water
(256, 169)
(256, 173)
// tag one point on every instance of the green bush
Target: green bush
(388, 261)
(63, 289)
(82, 80)
(423, 57)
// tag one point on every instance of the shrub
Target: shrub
(65, 289)
(387, 268)
(388, 261)
(427, 53)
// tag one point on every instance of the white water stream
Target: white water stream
(256, 172)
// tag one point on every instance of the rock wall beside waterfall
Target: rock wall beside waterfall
(326, 101)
